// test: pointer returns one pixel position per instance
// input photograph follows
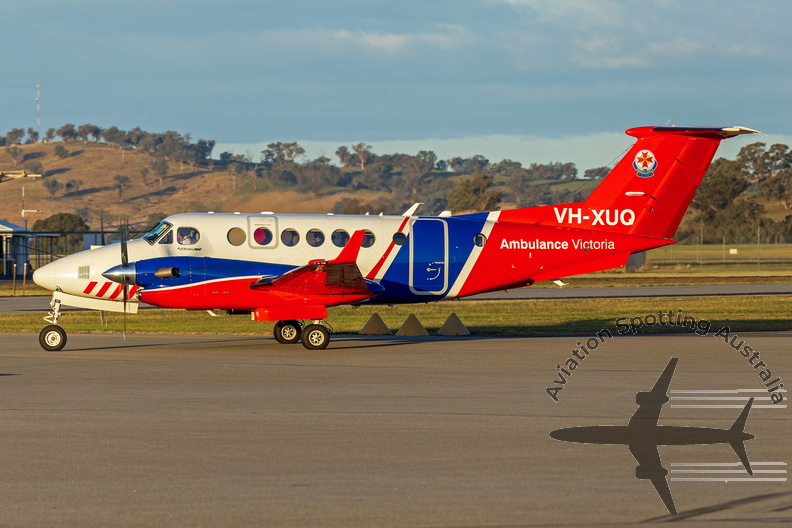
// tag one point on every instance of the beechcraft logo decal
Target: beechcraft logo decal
(645, 164)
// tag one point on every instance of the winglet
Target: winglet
(737, 444)
(350, 251)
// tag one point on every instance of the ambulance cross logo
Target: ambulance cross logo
(645, 163)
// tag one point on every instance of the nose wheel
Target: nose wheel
(52, 338)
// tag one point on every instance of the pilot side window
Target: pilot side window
(315, 238)
(167, 239)
(157, 232)
(339, 238)
(187, 236)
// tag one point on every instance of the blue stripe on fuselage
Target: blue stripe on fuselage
(198, 269)
(461, 233)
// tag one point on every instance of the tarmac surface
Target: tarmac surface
(183, 430)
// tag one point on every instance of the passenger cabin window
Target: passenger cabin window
(290, 237)
(480, 240)
(399, 238)
(236, 236)
(368, 239)
(187, 236)
(315, 238)
(263, 236)
(157, 232)
(339, 238)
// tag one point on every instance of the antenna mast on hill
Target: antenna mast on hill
(38, 111)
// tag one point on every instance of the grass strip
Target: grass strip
(529, 317)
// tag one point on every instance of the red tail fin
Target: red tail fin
(649, 190)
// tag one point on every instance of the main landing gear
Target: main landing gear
(314, 336)
(53, 337)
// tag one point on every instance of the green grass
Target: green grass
(723, 253)
(7, 289)
(514, 317)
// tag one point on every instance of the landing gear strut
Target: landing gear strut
(315, 336)
(53, 337)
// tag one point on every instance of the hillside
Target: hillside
(87, 177)
(95, 165)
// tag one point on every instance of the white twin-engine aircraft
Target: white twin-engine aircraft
(291, 268)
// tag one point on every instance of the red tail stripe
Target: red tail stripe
(373, 273)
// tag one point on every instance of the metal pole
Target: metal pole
(14, 272)
(24, 278)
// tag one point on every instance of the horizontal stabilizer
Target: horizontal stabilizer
(737, 444)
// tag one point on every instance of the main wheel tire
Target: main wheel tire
(315, 337)
(52, 337)
(287, 332)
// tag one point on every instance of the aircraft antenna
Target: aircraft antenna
(587, 181)
(38, 111)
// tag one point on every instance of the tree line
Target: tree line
(169, 145)
(724, 206)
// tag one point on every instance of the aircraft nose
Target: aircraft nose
(46, 276)
(567, 435)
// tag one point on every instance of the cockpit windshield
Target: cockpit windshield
(157, 232)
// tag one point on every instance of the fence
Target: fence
(726, 257)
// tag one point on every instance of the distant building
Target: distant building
(14, 248)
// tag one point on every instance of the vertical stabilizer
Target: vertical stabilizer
(651, 187)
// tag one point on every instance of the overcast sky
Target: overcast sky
(528, 80)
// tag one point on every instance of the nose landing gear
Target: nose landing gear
(52, 337)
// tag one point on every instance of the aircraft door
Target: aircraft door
(428, 256)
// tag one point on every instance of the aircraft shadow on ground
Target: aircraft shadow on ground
(776, 502)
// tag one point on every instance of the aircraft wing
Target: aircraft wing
(650, 468)
(650, 403)
(340, 276)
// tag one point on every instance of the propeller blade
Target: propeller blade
(124, 237)
(125, 264)
(126, 294)
(101, 226)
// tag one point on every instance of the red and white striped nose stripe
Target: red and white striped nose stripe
(106, 290)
